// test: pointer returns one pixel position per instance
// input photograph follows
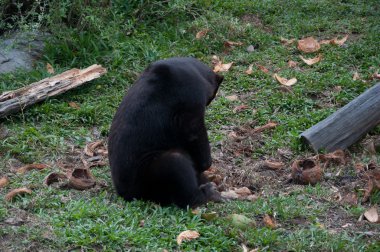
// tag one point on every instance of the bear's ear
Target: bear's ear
(219, 78)
(162, 70)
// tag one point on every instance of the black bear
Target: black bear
(158, 145)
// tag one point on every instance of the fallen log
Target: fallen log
(346, 125)
(14, 101)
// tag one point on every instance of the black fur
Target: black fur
(158, 144)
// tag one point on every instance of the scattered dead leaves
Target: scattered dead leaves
(372, 215)
(334, 41)
(376, 75)
(95, 148)
(241, 221)
(263, 69)
(269, 125)
(349, 199)
(4, 181)
(339, 42)
(292, 64)
(273, 165)
(337, 157)
(29, 167)
(19, 191)
(219, 66)
(213, 175)
(240, 108)
(308, 45)
(232, 97)
(231, 44)
(311, 61)
(356, 76)
(241, 193)
(373, 178)
(269, 221)
(49, 68)
(249, 70)
(287, 42)
(284, 81)
(187, 236)
(74, 105)
(201, 33)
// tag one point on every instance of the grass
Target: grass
(125, 39)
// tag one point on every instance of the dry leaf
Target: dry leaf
(273, 165)
(292, 64)
(371, 215)
(249, 70)
(201, 33)
(269, 221)
(240, 108)
(325, 42)
(359, 167)
(4, 181)
(18, 191)
(263, 69)
(356, 76)
(270, 125)
(81, 179)
(230, 195)
(29, 167)
(312, 61)
(74, 105)
(284, 81)
(54, 177)
(232, 44)
(339, 42)
(241, 221)
(252, 197)
(222, 67)
(49, 68)
(373, 176)
(306, 172)
(337, 157)
(350, 199)
(90, 148)
(376, 75)
(245, 249)
(213, 176)
(232, 98)
(286, 42)
(243, 191)
(308, 45)
(187, 236)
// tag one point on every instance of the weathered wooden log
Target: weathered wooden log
(348, 124)
(13, 101)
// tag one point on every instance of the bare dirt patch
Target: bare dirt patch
(256, 21)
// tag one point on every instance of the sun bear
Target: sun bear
(158, 144)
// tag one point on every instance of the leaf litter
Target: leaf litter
(187, 236)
